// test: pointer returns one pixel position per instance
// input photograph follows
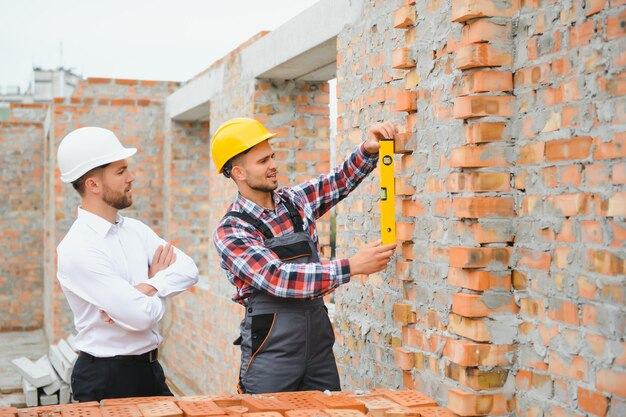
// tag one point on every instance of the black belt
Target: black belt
(151, 356)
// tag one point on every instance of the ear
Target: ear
(238, 173)
(92, 185)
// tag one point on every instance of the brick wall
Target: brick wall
(21, 244)
(511, 214)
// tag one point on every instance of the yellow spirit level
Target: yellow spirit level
(387, 192)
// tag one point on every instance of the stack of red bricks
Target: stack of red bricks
(374, 403)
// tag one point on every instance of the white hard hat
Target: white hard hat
(87, 148)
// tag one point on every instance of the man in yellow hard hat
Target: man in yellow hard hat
(268, 245)
(115, 273)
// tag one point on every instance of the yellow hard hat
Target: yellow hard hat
(236, 136)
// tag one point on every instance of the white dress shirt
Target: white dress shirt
(99, 264)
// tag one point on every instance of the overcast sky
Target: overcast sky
(141, 39)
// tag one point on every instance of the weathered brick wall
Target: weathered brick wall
(365, 90)
(569, 123)
(299, 112)
(32, 112)
(511, 212)
(21, 226)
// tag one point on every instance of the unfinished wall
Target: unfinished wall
(511, 213)
(21, 225)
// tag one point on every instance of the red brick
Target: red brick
(402, 143)
(401, 59)
(478, 207)
(563, 311)
(474, 329)
(618, 173)
(403, 187)
(532, 307)
(406, 101)
(468, 404)
(581, 34)
(605, 262)
(611, 380)
(472, 305)
(478, 181)
(481, 55)
(483, 81)
(479, 280)
(591, 231)
(614, 206)
(411, 208)
(478, 106)
(404, 17)
(531, 153)
(597, 175)
(568, 149)
(616, 148)
(160, 408)
(410, 398)
(574, 367)
(569, 204)
(475, 257)
(93, 80)
(533, 76)
(533, 259)
(594, 6)
(592, 402)
(616, 25)
(484, 132)
(484, 232)
(404, 230)
(478, 157)
(403, 359)
(403, 313)
(466, 353)
(265, 404)
(463, 10)
(200, 408)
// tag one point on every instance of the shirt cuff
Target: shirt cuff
(342, 266)
(157, 281)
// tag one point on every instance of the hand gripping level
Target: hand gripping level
(387, 192)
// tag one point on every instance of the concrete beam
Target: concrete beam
(303, 44)
(191, 102)
(304, 48)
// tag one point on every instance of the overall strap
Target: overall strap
(257, 223)
(296, 219)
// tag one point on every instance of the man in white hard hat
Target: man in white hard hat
(115, 272)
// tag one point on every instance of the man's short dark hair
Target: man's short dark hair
(228, 166)
(79, 184)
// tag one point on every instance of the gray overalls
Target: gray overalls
(286, 343)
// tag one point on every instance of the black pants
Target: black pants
(94, 379)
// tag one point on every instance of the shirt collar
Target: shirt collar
(100, 225)
(253, 208)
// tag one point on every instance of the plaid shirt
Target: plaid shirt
(250, 265)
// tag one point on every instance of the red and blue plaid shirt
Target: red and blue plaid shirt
(250, 265)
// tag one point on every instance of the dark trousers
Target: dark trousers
(94, 379)
(287, 345)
